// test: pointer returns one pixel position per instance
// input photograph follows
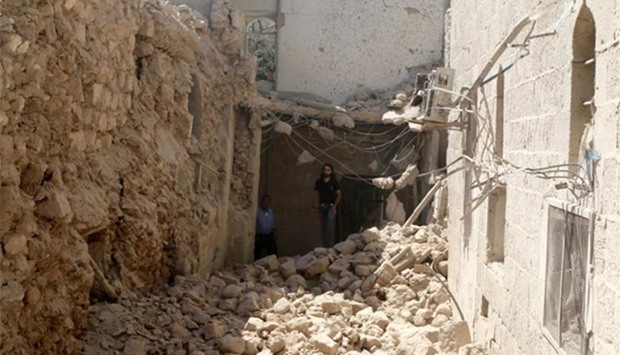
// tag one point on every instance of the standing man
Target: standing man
(326, 198)
(265, 240)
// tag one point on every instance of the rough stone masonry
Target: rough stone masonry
(114, 167)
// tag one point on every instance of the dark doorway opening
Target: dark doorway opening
(362, 206)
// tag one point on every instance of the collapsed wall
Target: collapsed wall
(116, 128)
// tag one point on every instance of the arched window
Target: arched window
(261, 42)
(582, 82)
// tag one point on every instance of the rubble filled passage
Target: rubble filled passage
(380, 291)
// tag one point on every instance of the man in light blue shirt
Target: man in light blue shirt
(265, 241)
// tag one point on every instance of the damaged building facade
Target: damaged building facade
(337, 65)
(134, 146)
(534, 217)
(130, 143)
(124, 153)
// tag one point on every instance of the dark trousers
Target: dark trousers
(327, 217)
(265, 244)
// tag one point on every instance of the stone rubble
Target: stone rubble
(376, 292)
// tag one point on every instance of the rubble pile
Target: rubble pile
(379, 292)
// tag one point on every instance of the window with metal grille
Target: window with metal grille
(568, 240)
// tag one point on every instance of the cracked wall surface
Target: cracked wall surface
(537, 109)
(101, 164)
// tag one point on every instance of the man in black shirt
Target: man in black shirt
(326, 198)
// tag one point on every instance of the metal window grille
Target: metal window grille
(568, 242)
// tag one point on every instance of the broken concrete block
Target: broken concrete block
(369, 283)
(317, 267)
(444, 309)
(300, 324)
(232, 344)
(345, 282)
(295, 281)
(214, 331)
(355, 285)
(253, 324)
(346, 247)
(324, 344)
(276, 343)
(380, 318)
(282, 306)
(386, 273)
(248, 304)
(331, 306)
(362, 270)
(339, 265)
(373, 301)
(288, 269)
(370, 342)
(440, 296)
(425, 313)
(269, 262)
(371, 235)
(419, 321)
(303, 263)
(421, 236)
(231, 291)
(439, 320)
(229, 304)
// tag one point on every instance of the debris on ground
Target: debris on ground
(379, 291)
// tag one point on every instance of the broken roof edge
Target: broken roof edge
(307, 108)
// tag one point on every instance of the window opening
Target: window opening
(261, 42)
(496, 223)
(496, 208)
(484, 307)
(582, 81)
(568, 260)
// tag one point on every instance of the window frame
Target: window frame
(589, 214)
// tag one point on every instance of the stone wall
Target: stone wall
(538, 101)
(115, 119)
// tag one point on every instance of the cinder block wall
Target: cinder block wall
(537, 114)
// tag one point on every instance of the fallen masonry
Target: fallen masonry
(379, 291)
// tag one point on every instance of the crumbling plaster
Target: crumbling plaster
(537, 117)
(101, 176)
